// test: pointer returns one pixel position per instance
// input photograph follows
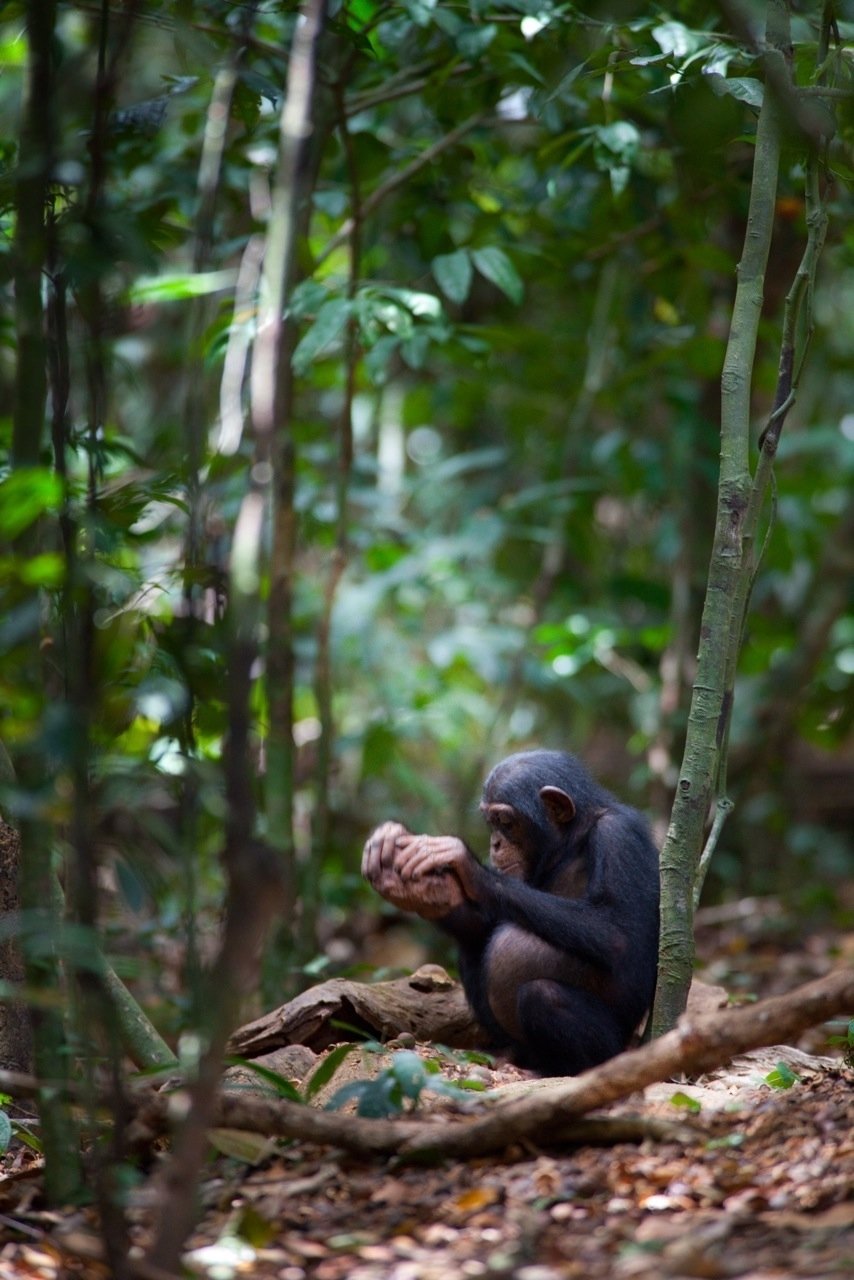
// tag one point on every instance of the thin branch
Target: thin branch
(391, 92)
(338, 561)
(399, 179)
(271, 408)
(723, 809)
(798, 326)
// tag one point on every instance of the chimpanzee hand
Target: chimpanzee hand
(431, 894)
(422, 856)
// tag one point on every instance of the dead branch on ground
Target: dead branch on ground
(698, 1044)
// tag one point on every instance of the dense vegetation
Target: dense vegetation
(477, 512)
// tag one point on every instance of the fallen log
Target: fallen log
(428, 1004)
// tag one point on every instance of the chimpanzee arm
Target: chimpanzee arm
(468, 924)
(592, 927)
(579, 926)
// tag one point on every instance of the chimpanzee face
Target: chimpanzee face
(506, 852)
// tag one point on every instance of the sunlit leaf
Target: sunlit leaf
(782, 1077)
(420, 11)
(685, 1101)
(744, 88)
(174, 288)
(45, 570)
(621, 137)
(674, 38)
(240, 1144)
(25, 495)
(418, 303)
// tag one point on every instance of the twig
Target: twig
(391, 92)
(723, 808)
(398, 179)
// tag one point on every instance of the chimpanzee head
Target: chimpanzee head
(529, 801)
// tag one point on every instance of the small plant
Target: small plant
(285, 1088)
(846, 1043)
(10, 1128)
(406, 1078)
(782, 1077)
(685, 1101)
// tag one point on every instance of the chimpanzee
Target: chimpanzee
(558, 934)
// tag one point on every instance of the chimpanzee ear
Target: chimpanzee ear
(559, 806)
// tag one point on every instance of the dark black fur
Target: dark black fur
(577, 1008)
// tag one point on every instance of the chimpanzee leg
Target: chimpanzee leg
(565, 1030)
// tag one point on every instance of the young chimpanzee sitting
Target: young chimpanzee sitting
(558, 934)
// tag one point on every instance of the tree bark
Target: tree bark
(702, 775)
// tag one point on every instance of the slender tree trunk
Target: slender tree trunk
(272, 404)
(709, 711)
(38, 896)
(741, 499)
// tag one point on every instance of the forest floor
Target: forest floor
(758, 1185)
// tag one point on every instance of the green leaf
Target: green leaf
(674, 38)
(688, 1103)
(418, 303)
(45, 570)
(415, 350)
(494, 264)
(730, 1141)
(321, 1076)
(173, 288)
(408, 1070)
(25, 495)
(378, 358)
(420, 11)
(453, 274)
(376, 1098)
(782, 1077)
(284, 1088)
(5, 1132)
(622, 138)
(474, 41)
(744, 88)
(240, 1144)
(323, 334)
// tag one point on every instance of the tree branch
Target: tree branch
(399, 179)
(697, 1045)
